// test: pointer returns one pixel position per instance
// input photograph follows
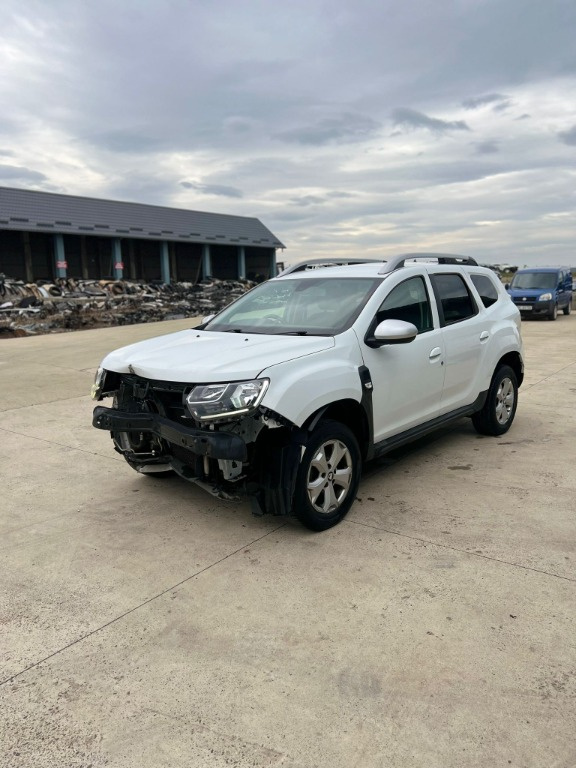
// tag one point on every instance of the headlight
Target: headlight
(98, 385)
(216, 401)
(545, 297)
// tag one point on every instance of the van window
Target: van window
(535, 280)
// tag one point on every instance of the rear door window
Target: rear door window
(455, 301)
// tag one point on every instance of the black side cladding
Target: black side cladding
(366, 403)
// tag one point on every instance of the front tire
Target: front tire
(553, 312)
(328, 476)
(498, 412)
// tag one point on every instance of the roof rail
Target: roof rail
(328, 262)
(396, 262)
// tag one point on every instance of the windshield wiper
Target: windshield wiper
(292, 333)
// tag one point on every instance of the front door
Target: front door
(407, 378)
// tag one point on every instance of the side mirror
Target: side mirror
(392, 332)
(506, 285)
(207, 318)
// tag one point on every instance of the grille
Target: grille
(166, 396)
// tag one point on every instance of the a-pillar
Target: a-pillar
(241, 263)
(60, 265)
(206, 261)
(164, 262)
(117, 258)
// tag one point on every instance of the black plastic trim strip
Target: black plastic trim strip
(390, 443)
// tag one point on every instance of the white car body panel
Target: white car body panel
(407, 381)
(296, 392)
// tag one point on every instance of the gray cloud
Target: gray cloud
(487, 147)
(568, 137)
(345, 128)
(306, 200)
(412, 120)
(16, 173)
(481, 101)
(125, 141)
(212, 189)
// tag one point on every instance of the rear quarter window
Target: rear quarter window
(486, 288)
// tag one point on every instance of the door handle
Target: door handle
(436, 352)
(484, 336)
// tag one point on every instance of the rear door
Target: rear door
(466, 330)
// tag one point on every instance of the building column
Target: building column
(241, 263)
(173, 263)
(132, 261)
(273, 269)
(27, 257)
(84, 257)
(206, 261)
(60, 264)
(164, 262)
(117, 258)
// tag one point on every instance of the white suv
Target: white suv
(283, 394)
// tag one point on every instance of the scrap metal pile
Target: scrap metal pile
(65, 305)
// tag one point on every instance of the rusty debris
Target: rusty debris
(70, 305)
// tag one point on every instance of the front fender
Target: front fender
(299, 388)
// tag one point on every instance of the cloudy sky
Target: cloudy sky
(362, 127)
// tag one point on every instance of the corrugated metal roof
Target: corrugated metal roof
(33, 211)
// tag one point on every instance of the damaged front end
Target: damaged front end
(217, 436)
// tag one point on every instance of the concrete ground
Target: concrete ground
(144, 623)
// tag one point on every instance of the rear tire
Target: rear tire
(328, 476)
(498, 412)
(568, 308)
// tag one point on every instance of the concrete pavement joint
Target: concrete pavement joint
(137, 607)
(462, 551)
(546, 378)
(60, 445)
(48, 402)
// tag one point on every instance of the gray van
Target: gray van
(542, 291)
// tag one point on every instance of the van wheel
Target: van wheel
(328, 476)
(553, 312)
(568, 308)
(498, 412)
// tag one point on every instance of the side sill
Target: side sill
(390, 443)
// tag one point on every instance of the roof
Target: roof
(33, 211)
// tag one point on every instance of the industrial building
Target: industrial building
(45, 236)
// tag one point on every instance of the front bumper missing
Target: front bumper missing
(215, 445)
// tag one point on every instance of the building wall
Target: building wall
(30, 256)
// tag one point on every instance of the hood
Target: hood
(207, 356)
(529, 293)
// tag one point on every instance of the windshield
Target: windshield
(534, 280)
(320, 306)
